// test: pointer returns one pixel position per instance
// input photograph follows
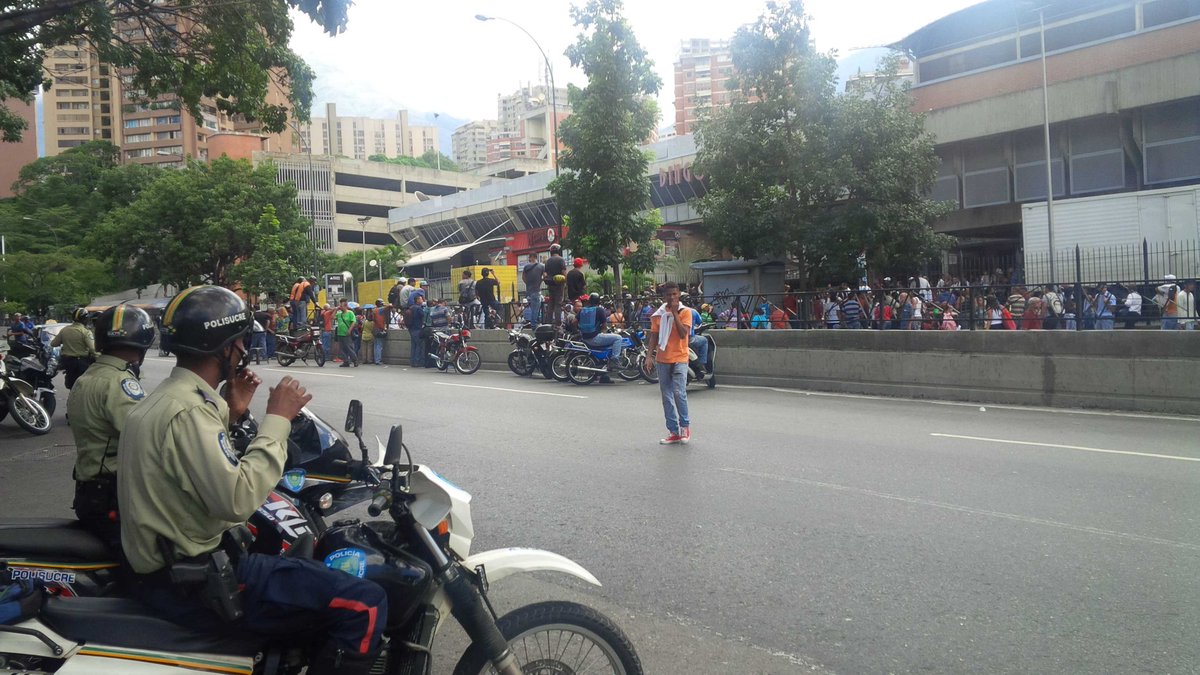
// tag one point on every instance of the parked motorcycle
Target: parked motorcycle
(532, 352)
(695, 374)
(307, 345)
(36, 363)
(420, 555)
(584, 367)
(452, 349)
(19, 398)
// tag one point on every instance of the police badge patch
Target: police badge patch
(227, 448)
(133, 389)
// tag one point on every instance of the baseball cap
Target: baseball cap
(1169, 277)
(424, 283)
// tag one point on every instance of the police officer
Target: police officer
(98, 408)
(78, 347)
(181, 487)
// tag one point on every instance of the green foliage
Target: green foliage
(390, 257)
(429, 160)
(678, 267)
(231, 52)
(796, 171)
(603, 188)
(204, 224)
(36, 282)
(646, 257)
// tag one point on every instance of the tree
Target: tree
(62, 279)
(226, 51)
(390, 257)
(429, 160)
(198, 224)
(796, 171)
(603, 187)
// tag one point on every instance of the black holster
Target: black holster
(208, 578)
(95, 499)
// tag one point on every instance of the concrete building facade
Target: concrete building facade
(83, 102)
(702, 76)
(348, 200)
(470, 143)
(1124, 98)
(361, 137)
(17, 155)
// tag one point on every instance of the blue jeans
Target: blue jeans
(672, 384)
(699, 344)
(1104, 323)
(609, 341)
(1170, 323)
(378, 350)
(327, 343)
(535, 306)
(259, 341)
(416, 355)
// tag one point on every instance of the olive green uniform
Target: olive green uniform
(180, 478)
(76, 340)
(99, 404)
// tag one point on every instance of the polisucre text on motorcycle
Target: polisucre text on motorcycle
(55, 576)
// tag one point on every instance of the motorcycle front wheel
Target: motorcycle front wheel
(319, 355)
(283, 360)
(629, 370)
(467, 362)
(577, 369)
(29, 414)
(648, 369)
(558, 366)
(558, 637)
(520, 363)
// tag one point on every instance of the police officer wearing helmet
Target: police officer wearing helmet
(98, 407)
(182, 487)
(78, 347)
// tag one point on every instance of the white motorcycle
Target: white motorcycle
(420, 555)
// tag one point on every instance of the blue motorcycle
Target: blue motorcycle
(583, 367)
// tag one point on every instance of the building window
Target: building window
(137, 138)
(971, 59)
(1097, 160)
(143, 152)
(1159, 12)
(1029, 155)
(70, 144)
(985, 173)
(166, 135)
(1172, 142)
(73, 131)
(169, 119)
(134, 124)
(945, 186)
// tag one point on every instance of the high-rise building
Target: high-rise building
(17, 155)
(470, 143)
(512, 109)
(361, 137)
(83, 102)
(702, 76)
(864, 83)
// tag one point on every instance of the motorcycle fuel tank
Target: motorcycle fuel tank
(359, 550)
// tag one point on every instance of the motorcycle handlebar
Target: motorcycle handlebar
(378, 504)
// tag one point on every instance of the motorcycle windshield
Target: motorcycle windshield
(316, 446)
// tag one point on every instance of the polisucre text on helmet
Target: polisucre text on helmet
(234, 318)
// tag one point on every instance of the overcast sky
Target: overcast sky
(435, 57)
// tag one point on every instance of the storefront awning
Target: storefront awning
(443, 254)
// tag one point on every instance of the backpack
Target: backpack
(588, 319)
(19, 600)
(394, 295)
(467, 295)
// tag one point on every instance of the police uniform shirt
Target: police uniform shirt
(76, 340)
(180, 478)
(98, 407)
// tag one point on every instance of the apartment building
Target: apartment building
(470, 143)
(83, 101)
(866, 83)
(512, 109)
(702, 76)
(17, 155)
(1123, 86)
(361, 137)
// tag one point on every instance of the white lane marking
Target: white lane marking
(518, 391)
(925, 401)
(297, 374)
(1069, 447)
(969, 510)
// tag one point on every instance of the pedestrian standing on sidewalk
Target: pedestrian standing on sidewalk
(344, 322)
(414, 320)
(670, 327)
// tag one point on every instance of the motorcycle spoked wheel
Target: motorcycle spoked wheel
(467, 362)
(576, 369)
(558, 366)
(284, 360)
(648, 369)
(29, 414)
(558, 637)
(319, 356)
(520, 363)
(439, 360)
(629, 370)
(49, 401)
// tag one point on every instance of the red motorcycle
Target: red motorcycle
(307, 345)
(452, 348)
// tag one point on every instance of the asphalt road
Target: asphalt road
(798, 532)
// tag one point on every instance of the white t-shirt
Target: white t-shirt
(1133, 302)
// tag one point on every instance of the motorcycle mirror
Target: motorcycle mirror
(395, 443)
(354, 417)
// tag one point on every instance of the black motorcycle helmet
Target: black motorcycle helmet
(79, 315)
(555, 249)
(206, 319)
(594, 300)
(124, 326)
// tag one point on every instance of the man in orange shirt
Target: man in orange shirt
(296, 298)
(670, 327)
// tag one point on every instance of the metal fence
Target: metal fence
(1143, 262)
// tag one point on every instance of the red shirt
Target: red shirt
(327, 317)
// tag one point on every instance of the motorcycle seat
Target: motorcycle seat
(58, 537)
(122, 622)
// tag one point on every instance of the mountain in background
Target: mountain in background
(865, 60)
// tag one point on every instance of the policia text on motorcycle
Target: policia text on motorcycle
(99, 405)
(182, 487)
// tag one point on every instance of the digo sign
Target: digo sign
(677, 174)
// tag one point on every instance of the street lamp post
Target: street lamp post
(553, 90)
(1046, 131)
(48, 226)
(363, 222)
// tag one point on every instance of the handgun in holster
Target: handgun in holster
(211, 576)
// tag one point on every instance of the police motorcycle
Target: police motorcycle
(532, 352)
(20, 399)
(420, 554)
(36, 362)
(695, 373)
